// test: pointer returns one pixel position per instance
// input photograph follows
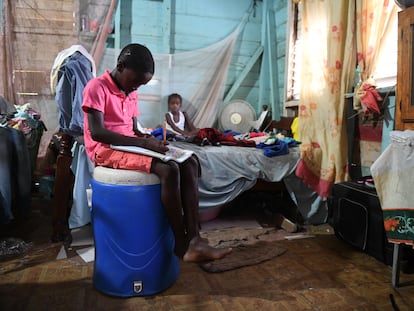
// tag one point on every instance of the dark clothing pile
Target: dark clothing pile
(15, 174)
(18, 139)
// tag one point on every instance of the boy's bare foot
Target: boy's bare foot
(199, 250)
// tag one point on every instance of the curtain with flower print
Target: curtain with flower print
(350, 35)
(328, 61)
(375, 20)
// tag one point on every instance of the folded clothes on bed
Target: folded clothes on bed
(291, 141)
(274, 146)
(278, 148)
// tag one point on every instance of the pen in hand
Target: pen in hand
(164, 132)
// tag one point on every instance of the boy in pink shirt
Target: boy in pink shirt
(110, 106)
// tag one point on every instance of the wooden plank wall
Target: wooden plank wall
(41, 29)
(38, 30)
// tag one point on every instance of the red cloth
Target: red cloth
(319, 185)
(370, 99)
(216, 137)
(256, 134)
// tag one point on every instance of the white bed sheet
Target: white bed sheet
(227, 171)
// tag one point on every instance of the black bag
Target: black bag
(356, 216)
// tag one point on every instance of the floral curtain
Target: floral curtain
(375, 20)
(328, 67)
(350, 34)
(373, 24)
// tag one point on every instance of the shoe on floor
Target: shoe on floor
(285, 224)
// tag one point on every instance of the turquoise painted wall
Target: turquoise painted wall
(173, 26)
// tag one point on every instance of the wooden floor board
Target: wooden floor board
(320, 273)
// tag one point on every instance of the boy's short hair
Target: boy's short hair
(137, 57)
(173, 95)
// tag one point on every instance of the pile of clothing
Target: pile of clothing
(20, 133)
(276, 145)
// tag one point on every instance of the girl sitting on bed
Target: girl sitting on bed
(178, 121)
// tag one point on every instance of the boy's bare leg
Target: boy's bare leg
(169, 175)
(189, 196)
(188, 243)
(198, 248)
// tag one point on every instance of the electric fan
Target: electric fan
(238, 116)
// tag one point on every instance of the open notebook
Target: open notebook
(173, 154)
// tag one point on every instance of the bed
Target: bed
(228, 171)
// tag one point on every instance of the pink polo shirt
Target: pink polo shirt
(101, 93)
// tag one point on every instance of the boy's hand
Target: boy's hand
(155, 144)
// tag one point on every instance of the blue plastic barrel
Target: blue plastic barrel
(134, 244)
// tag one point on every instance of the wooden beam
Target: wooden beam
(272, 63)
(243, 74)
(263, 78)
(268, 80)
(123, 22)
(166, 26)
(98, 49)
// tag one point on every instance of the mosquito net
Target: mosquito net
(199, 76)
